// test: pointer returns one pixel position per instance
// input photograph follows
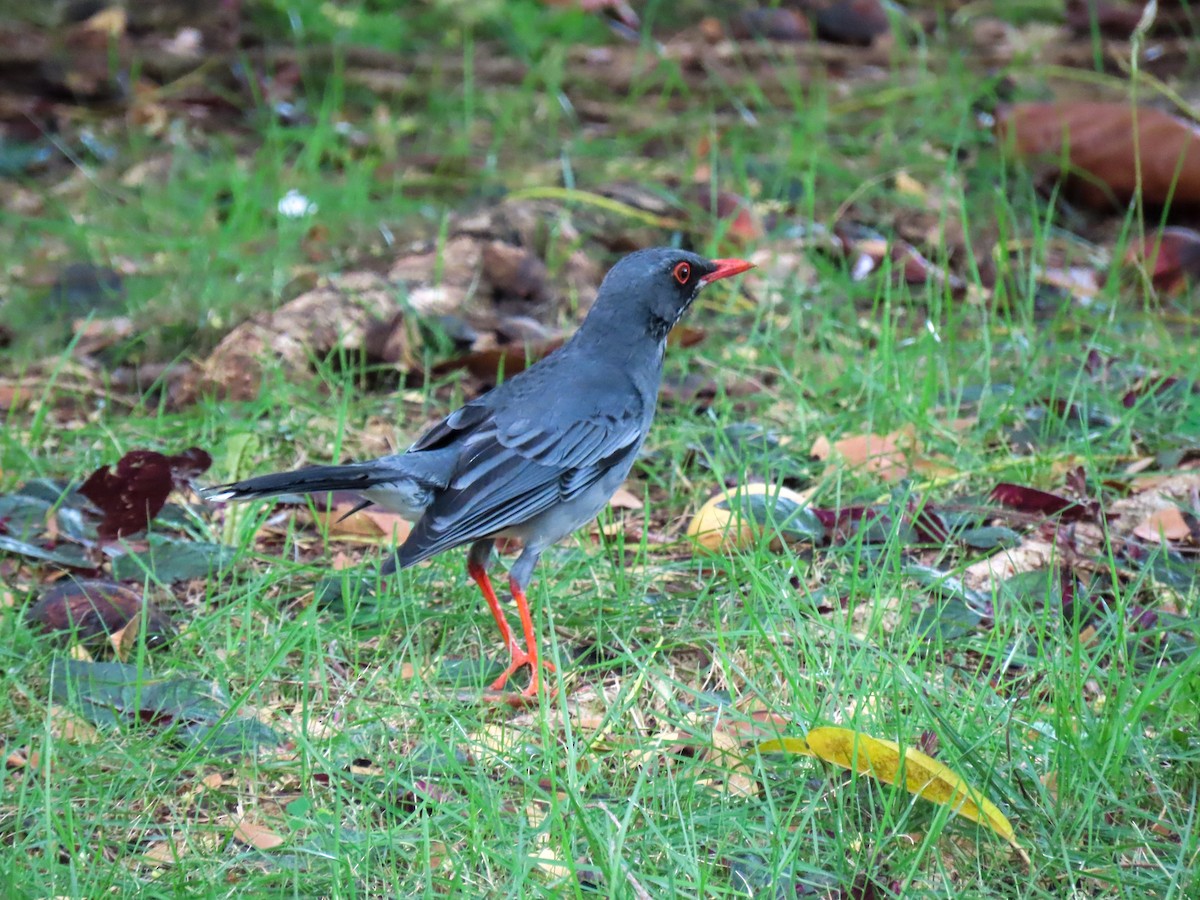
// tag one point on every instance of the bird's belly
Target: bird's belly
(560, 520)
(406, 498)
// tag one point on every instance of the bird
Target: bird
(537, 456)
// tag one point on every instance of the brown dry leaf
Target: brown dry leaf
(395, 341)
(124, 640)
(489, 362)
(336, 316)
(370, 522)
(12, 397)
(912, 267)
(891, 456)
(726, 752)
(390, 525)
(165, 853)
(1117, 19)
(1167, 524)
(1104, 144)
(549, 863)
(110, 22)
(342, 561)
(626, 499)
(22, 758)
(81, 653)
(256, 836)
(515, 271)
(93, 336)
(65, 725)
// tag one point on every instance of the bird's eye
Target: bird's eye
(683, 273)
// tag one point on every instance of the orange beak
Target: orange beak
(725, 268)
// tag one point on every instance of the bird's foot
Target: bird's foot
(519, 660)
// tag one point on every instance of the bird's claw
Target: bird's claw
(519, 660)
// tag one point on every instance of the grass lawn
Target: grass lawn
(1068, 694)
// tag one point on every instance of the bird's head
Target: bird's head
(654, 288)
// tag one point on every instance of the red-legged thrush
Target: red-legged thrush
(539, 455)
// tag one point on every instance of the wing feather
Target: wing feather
(515, 466)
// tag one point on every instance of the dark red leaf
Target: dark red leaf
(844, 521)
(1171, 256)
(1141, 618)
(1031, 500)
(928, 525)
(96, 609)
(136, 492)
(927, 743)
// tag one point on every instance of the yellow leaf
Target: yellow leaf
(923, 775)
(721, 523)
(793, 745)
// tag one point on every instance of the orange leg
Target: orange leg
(529, 657)
(480, 576)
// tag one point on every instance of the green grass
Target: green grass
(393, 780)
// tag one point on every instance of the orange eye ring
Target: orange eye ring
(682, 272)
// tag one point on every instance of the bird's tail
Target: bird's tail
(313, 480)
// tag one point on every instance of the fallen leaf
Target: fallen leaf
(1106, 145)
(515, 272)
(19, 759)
(549, 864)
(131, 496)
(890, 456)
(370, 522)
(489, 363)
(1171, 257)
(796, 746)
(124, 641)
(342, 561)
(885, 760)
(12, 397)
(625, 499)
(1118, 20)
(1031, 500)
(739, 516)
(165, 853)
(1166, 524)
(93, 336)
(335, 317)
(96, 611)
(257, 836)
